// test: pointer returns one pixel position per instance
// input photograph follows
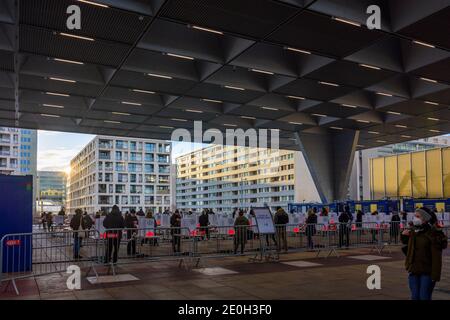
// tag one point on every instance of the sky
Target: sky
(56, 149)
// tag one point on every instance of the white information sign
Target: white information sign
(146, 226)
(99, 226)
(190, 223)
(58, 220)
(264, 220)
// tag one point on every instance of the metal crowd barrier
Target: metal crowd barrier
(42, 252)
(24, 255)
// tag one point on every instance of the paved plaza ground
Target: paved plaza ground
(295, 276)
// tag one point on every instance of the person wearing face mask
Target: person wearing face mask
(425, 242)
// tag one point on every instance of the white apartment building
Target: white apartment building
(129, 172)
(225, 177)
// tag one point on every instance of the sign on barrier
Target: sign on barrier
(188, 226)
(58, 220)
(264, 220)
(99, 227)
(147, 227)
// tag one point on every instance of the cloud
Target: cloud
(55, 159)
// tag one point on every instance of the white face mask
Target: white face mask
(417, 221)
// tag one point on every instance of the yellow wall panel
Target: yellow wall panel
(434, 174)
(378, 190)
(418, 174)
(446, 171)
(404, 175)
(390, 169)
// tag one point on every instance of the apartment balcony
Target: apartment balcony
(5, 153)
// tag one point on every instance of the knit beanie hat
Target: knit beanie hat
(423, 214)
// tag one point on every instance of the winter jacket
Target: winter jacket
(114, 221)
(281, 217)
(311, 222)
(241, 224)
(203, 220)
(75, 223)
(424, 251)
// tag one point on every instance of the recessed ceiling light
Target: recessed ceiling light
(295, 97)
(207, 29)
(234, 88)
(269, 108)
(319, 115)
(360, 145)
(75, 36)
(384, 94)
(229, 125)
(423, 44)
(159, 76)
(349, 106)
(121, 113)
(111, 121)
(369, 66)
(166, 127)
(363, 121)
(211, 100)
(405, 136)
(94, 3)
(432, 103)
(427, 79)
(131, 103)
(433, 119)
(297, 50)
(347, 21)
(67, 61)
(62, 80)
(49, 115)
(337, 128)
(434, 130)
(143, 91)
(177, 119)
(295, 123)
(52, 106)
(381, 141)
(247, 117)
(394, 113)
(329, 83)
(401, 126)
(262, 71)
(373, 132)
(57, 94)
(193, 111)
(180, 56)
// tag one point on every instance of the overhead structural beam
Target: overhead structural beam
(329, 157)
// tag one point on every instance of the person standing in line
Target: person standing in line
(131, 226)
(310, 231)
(344, 230)
(203, 221)
(78, 226)
(175, 225)
(44, 220)
(394, 227)
(113, 223)
(280, 220)
(240, 235)
(425, 243)
(49, 220)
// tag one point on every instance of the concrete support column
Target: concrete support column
(329, 157)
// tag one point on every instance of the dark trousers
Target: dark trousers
(281, 238)
(131, 247)
(344, 236)
(310, 241)
(112, 249)
(76, 246)
(273, 238)
(421, 286)
(238, 242)
(176, 242)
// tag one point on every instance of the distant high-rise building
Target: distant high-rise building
(359, 188)
(129, 172)
(226, 177)
(52, 187)
(18, 154)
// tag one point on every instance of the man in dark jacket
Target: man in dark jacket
(394, 228)
(240, 235)
(203, 220)
(77, 224)
(423, 262)
(175, 224)
(130, 224)
(280, 220)
(113, 223)
(311, 222)
(344, 229)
